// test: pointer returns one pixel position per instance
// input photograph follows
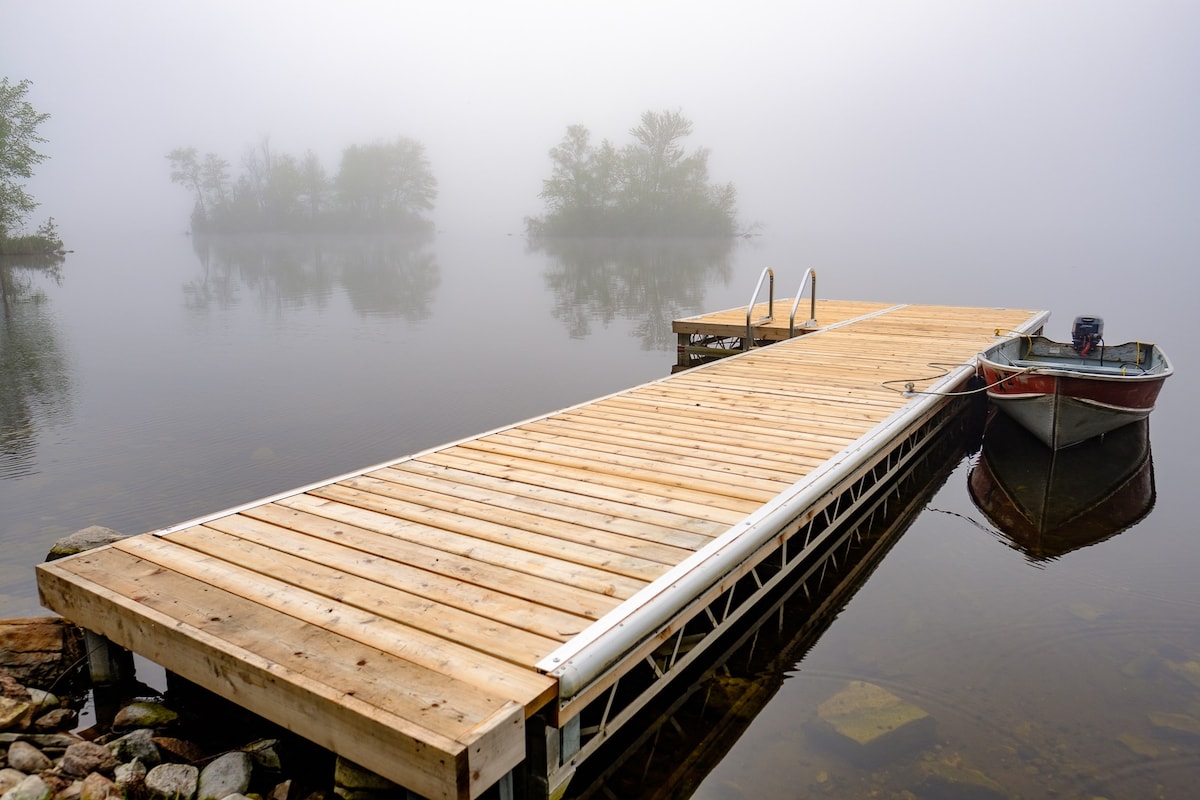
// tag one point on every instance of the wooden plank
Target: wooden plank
(432, 574)
(172, 622)
(524, 562)
(722, 465)
(628, 477)
(674, 446)
(446, 513)
(637, 537)
(565, 498)
(726, 511)
(264, 551)
(353, 508)
(646, 466)
(613, 551)
(421, 660)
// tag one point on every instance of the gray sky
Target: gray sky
(960, 116)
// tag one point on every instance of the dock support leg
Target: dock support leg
(111, 668)
(505, 787)
(109, 664)
(548, 754)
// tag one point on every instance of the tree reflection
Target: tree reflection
(380, 275)
(34, 383)
(648, 281)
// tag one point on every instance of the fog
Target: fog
(873, 120)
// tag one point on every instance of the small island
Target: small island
(381, 187)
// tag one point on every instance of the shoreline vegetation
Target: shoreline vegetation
(45, 242)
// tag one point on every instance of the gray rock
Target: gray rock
(32, 788)
(265, 753)
(42, 700)
(350, 776)
(130, 778)
(28, 759)
(85, 539)
(9, 778)
(84, 758)
(138, 745)
(144, 715)
(46, 741)
(173, 781)
(229, 774)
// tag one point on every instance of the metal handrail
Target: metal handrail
(812, 307)
(749, 340)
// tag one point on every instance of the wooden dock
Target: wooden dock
(510, 600)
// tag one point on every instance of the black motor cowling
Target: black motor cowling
(1086, 334)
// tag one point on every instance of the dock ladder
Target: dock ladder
(711, 336)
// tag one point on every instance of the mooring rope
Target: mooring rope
(910, 383)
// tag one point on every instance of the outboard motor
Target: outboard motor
(1087, 334)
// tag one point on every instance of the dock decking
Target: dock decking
(415, 616)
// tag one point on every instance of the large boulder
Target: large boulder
(37, 651)
(82, 540)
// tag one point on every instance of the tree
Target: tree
(651, 187)
(387, 183)
(18, 136)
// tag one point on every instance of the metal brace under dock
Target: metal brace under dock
(500, 605)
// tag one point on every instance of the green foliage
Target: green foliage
(379, 187)
(650, 187)
(18, 135)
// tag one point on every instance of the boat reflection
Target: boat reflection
(1048, 503)
(688, 730)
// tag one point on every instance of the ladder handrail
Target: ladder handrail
(812, 308)
(749, 340)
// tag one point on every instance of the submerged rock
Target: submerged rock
(870, 725)
(1174, 724)
(949, 781)
(1188, 670)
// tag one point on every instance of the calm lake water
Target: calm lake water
(148, 383)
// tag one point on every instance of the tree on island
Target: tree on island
(379, 187)
(19, 122)
(650, 187)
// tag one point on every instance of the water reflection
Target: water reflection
(34, 381)
(689, 731)
(650, 282)
(393, 276)
(1049, 502)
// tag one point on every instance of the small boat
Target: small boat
(1048, 503)
(1067, 393)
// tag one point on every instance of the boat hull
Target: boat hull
(1048, 503)
(1064, 399)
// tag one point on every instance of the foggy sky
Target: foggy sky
(963, 117)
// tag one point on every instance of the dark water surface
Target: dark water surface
(143, 385)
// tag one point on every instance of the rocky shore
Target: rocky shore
(181, 744)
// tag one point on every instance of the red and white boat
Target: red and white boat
(1067, 393)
